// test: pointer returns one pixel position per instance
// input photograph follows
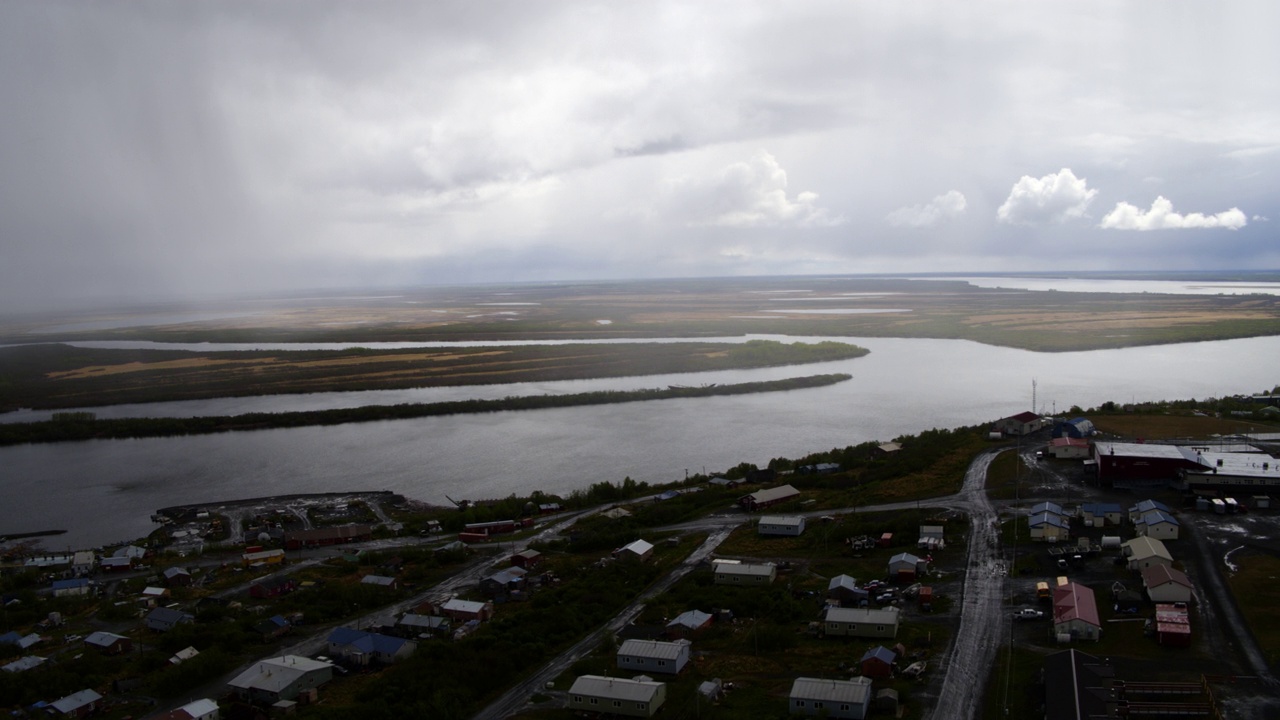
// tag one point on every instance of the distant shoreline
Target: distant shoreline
(79, 426)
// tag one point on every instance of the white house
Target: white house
(745, 573)
(617, 696)
(655, 656)
(1157, 524)
(905, 566)
(861, 622)
(1144, 552)
(792, 525)
(283, 678)
(203, 709)
(638, 550)
(846, 699)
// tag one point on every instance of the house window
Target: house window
(879, 628)
(844, 706)
(817, 705)
(662, 663)
(595, 701)
(617, 703)
(577, 698)
(799, 703)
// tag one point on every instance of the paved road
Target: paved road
(982, 629)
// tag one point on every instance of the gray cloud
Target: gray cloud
(947, 205)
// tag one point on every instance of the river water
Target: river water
(104, 491)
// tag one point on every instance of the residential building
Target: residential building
(381, 581)
(263, 557)
(1165, 584)
(270, 587)
(762, 499)
(1049, 527)
(273, 627)
(1100, 514)
(23, 664)
(465, 610)
(166, 619)
(1144, 552)
(789, 525)
(361, 648)
(78, 705)
(108, 643)
(1075, 612)
(419, 625)
(1157, 524)
(203, 709)
(653, 656)
(845, 590)
(1144, 507)
(274, 679)
(1066, 448)
(323, 537)
(688, 623)
(503, 582)
(1023, 423)
(74, 586)
(617, 696)
(744, 573)
(843, 699)
(861, 622)
(527, 559)
(177, 577)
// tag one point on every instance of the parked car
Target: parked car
(1028, 614)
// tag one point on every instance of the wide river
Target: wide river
(105, 491)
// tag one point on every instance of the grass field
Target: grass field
(1258, 594)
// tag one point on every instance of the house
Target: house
(617, 696)
(503, 582)
(361, 648)
(735, 573)
(1075, 612)
(81, 704)
(527, 559)
(654, 656)
(878, 662)
(273, 587)
(1048, 507)
(1144, 507)
(74, 586)
(177, 577)
(845, 699)
(1049, 527)
(905, 567)
(884, 450)
(23, 664)
(152, 596)
(861, 622)
(203, 709)
(1023, 423)
(936, 532)
(1157, 524)
(381, 581)
(688, 623)
(845, 590)
(273, 627)
(419, 625)
(82, 562)
(637, 550)
(1143, 552)
(166, 619)
(1164, 584)
(789, 525)
(1066, 448)
(108, 643)
(133, 552)
(324, 537)
(465, 610)
(263, 557)
(183, 655)
(284, 678)
(115, 564)
(762, 499)
(1076, 686)
(1099, 514)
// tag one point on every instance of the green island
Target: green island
(84, 426)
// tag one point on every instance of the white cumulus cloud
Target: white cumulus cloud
(1162, 217)
(749, 194)
(944, 206)
(1052, 198)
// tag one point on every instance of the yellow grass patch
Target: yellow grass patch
(103, 370)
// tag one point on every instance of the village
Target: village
(1085, 575)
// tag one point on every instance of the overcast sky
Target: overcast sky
(181, 147)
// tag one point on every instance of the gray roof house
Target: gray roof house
(848, 699)
(861, 622)
(77, 704)
(166, 619)
(787, 525)
(617, 696)
(274, 679)
(745, 573)
(655, 656)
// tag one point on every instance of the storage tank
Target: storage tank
(1202, 504)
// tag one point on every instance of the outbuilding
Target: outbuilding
(638, 550)
(844, 589)
(906, 567)
(878, 663)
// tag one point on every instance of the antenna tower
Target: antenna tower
(1033, 395)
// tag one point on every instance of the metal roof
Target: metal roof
(1153, 517)
(615, 688)
(1158, 575)
(691, 619)
(276, 674)
(883, 616)
(881, 653)
(1046, 518)
(1075, 602)
(639, 547)
(1146, 450)
(781, 520)
(855, 692)
(748, 569)
(1143, 547)
(75, 701)
(778, 493)
(654, 649)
